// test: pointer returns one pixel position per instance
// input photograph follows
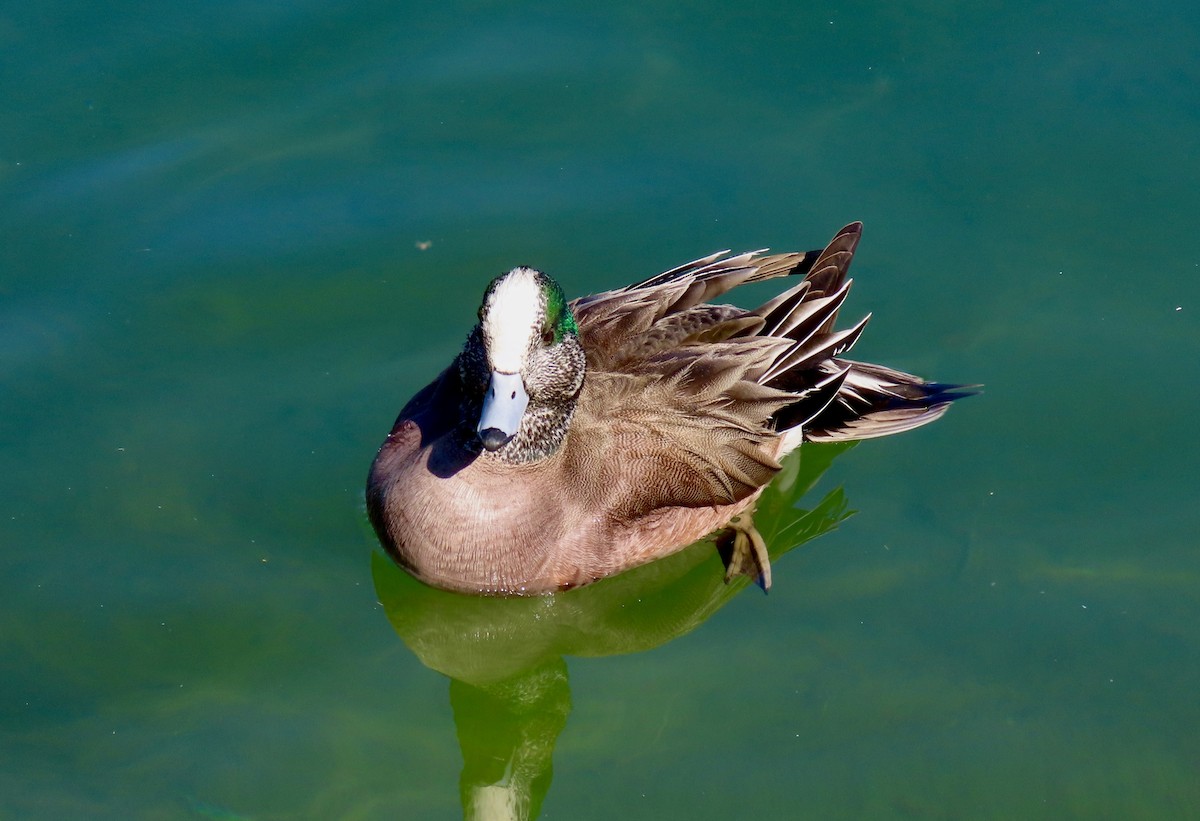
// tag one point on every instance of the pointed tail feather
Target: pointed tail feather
(878, 401)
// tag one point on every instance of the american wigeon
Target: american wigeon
(569, 441)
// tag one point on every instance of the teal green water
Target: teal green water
(235, 238)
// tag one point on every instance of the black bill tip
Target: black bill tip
(493, 438)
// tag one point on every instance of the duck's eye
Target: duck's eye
(548, 337)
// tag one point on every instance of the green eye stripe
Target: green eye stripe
(559, 318)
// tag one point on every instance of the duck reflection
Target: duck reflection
(504, 657)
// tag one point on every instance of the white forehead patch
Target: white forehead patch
(511, 317)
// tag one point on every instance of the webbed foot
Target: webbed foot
(743, 550)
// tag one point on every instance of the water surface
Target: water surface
(235, 238)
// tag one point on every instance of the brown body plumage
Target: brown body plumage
(682, 417)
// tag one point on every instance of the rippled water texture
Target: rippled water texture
(236, 237)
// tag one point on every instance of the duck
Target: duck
(569, 441)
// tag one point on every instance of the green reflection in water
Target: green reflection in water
(509, 686)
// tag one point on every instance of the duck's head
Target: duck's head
(522, 366)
